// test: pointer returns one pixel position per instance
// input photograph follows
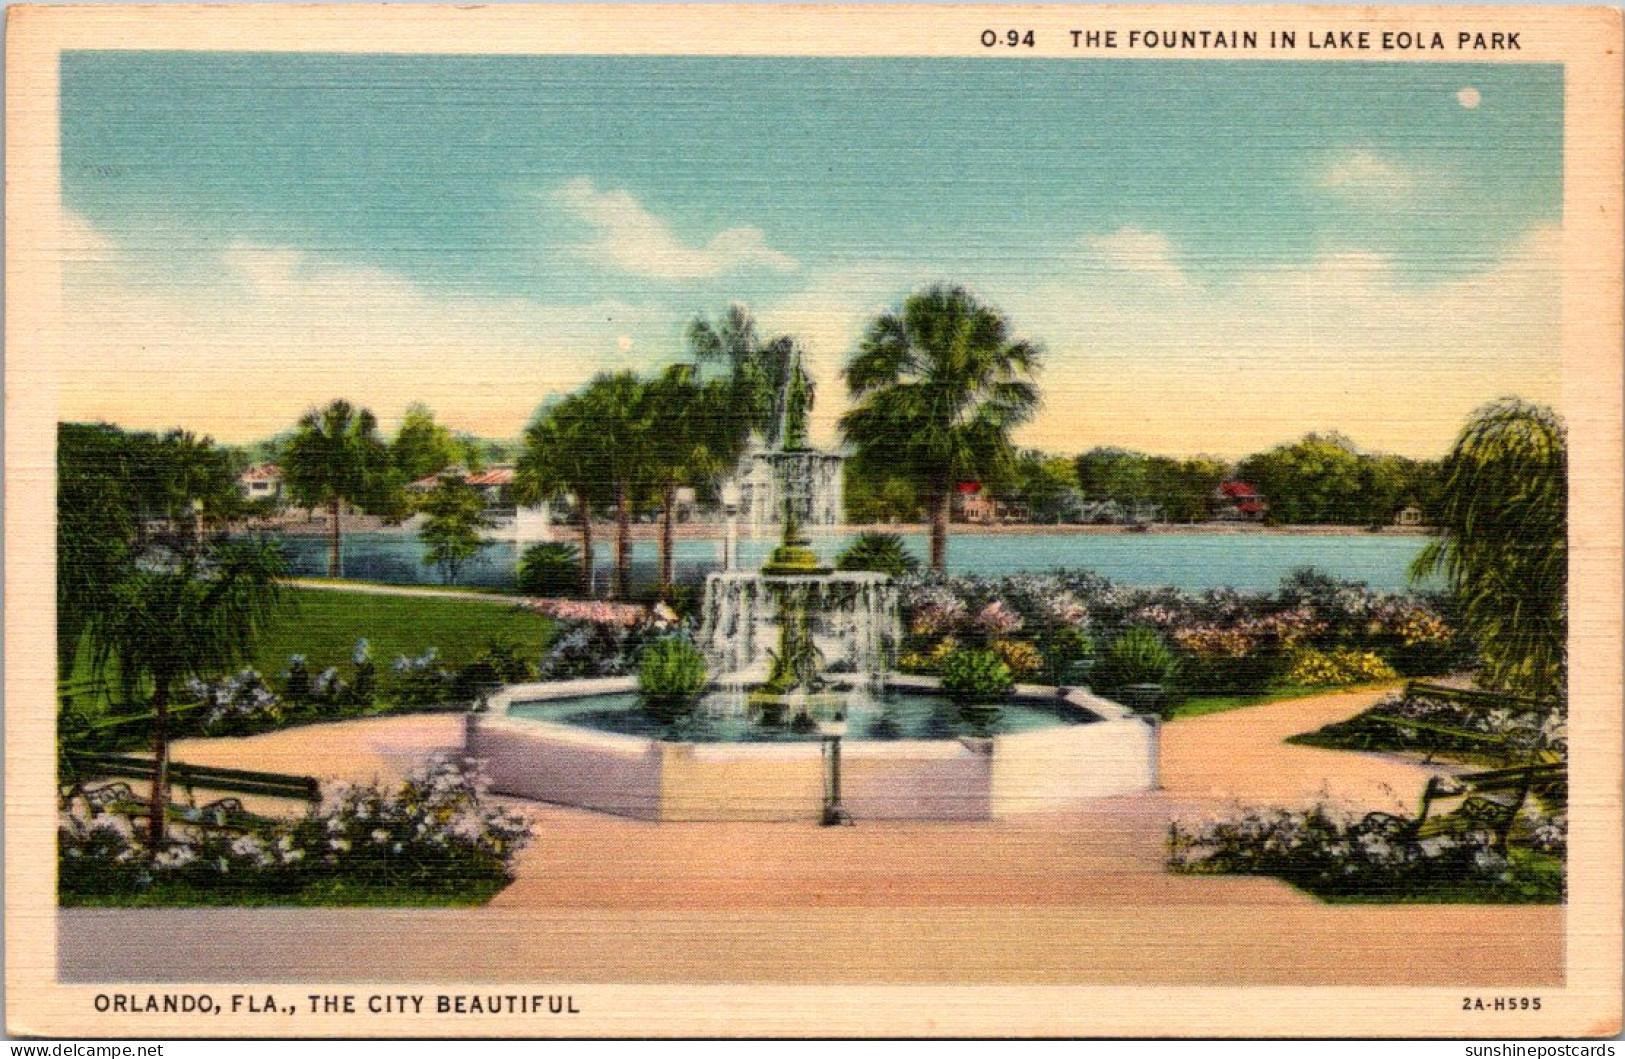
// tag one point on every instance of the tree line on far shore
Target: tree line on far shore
(935, 390)
(1323, 478)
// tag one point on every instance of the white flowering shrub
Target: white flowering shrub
(420, 680)
(236, 705)
(434, 833)
(1332, 854)
(1550, 834)
(433, 827)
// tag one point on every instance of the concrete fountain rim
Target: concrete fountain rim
(497, 707)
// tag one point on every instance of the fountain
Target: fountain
(794, 479)
(801, 654)
(782, 634)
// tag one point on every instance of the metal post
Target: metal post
(834, 812)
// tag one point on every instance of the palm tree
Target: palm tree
(938, 386)
(757, 369)
(196, 615)
(563, 453)
(1503, 544)
(692, 442)
(622, 413)
(336, 457)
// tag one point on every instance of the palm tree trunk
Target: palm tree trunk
(668, 516)
(940, 504)
(585, 517)
(333, 563)
(156, 807)
(623, 539)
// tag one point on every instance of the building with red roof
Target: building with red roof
(1237, 501)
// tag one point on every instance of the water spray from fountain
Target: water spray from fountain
(785, 637)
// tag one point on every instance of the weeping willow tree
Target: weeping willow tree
(1503, 544)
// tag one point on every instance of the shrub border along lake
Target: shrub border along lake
(1076, 627)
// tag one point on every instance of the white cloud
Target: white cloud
(629, 237)
(1363, 173)
(81, 242)
(1343, 341)
(240, 342)
(1130, 249)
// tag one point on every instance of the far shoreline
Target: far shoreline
(604, 532)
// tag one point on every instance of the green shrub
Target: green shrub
(881, 553)
(549, 570)
(671, 674)
(1062, 646)
(1137, 656)
(1249, 674)
(976, 677)
(501, 662)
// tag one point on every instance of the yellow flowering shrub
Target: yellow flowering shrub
(1023, 658)
(1343, 665)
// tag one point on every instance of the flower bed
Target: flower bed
(430, 840)
(1444, 727)
(1312, 631)
(1342, 858)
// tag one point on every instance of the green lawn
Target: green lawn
(329, 892)
(472, 590)
(1533, 878)
(1200, 705)
(324, 625)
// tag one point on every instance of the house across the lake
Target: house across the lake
(972, 504)
(1236, 501)
(263, 481)
(495, 484)
(1410, 515)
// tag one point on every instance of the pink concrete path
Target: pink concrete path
(1079, 896)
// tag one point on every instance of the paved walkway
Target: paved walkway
(1069, 897)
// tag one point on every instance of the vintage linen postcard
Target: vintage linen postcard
(813, 521)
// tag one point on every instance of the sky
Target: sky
(1215, 256)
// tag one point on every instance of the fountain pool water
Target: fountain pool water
(894, 714)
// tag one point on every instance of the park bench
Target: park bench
(224, 813)
(1506, 744)
(1484, 801)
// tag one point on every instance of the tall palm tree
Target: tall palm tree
(334, 458)
(563, 453)
(620, 406)
(937, 388)
(198, 614)
(692, 443)
(757, 369)
(1502, 543)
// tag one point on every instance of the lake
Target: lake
(1193, 561)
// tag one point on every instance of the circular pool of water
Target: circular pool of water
(722, 717)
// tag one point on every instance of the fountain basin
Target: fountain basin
(549, 742)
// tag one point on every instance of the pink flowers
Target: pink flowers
(996, 619)
(625, 615)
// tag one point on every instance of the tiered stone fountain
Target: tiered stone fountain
(784, 638)
(801, 654)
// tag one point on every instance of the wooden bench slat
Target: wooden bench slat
(242, 781)
(1401, 722)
